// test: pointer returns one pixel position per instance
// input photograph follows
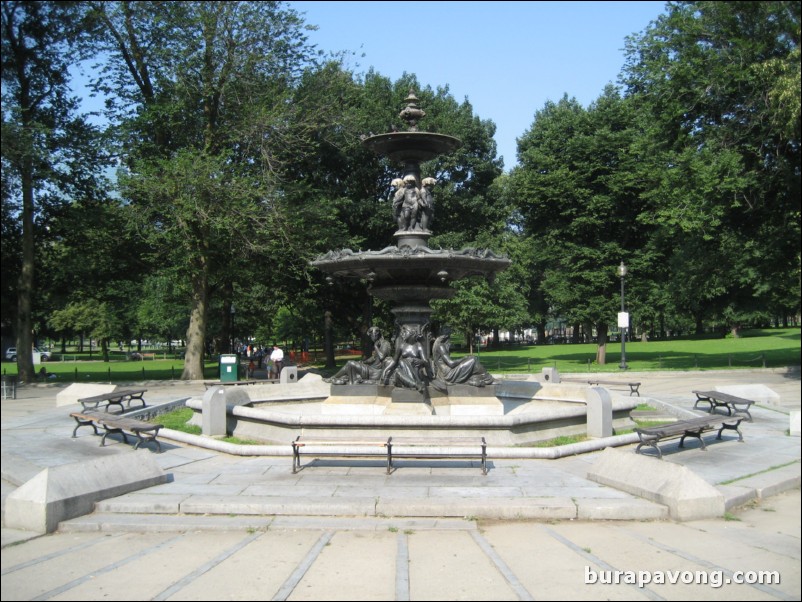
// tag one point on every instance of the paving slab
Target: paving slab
(528, 527)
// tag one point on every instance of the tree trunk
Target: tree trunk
(104, 346)
(26, 278)
(601, 350)
(196, 332)
(541, 333)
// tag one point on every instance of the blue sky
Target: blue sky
(506, 58)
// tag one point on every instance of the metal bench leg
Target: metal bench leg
(653, 444)
(296, 458)
(744, 411)
(731, 427)
(110, 431)
(83, 423)
(139, 397)
(146, 437)
(697, 434)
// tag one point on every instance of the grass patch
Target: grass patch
(177, 421)
(645, 407)
(238, 441)
(557, 441)
(644, 424)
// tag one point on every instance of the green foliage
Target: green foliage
(712, 84)
(578, 198)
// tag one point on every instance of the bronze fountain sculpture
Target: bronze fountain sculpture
(410, 274)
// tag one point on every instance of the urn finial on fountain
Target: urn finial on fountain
(412, 113)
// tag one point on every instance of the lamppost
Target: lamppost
(623, 319)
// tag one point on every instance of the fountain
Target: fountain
(414, 386)
(409, 274)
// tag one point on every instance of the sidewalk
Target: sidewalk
(440, 524)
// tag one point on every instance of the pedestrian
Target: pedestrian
(277, 357)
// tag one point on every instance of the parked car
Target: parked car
(11, 354)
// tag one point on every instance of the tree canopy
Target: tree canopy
(239, 159)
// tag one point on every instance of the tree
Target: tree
(716, 86)
(39, 130)
(98, 320)
(578, 196)
(203, 91)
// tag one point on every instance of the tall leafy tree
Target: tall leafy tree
(41, 135)
(203, 100)
(717, 88)
(577, 189)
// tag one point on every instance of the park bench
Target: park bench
(235, 383)
(633, 387)
(474, 448)
(693, 427)
(114, 398)
(733, 405)
(145, 432)
(390, 448)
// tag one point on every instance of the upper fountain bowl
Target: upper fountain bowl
(412, 146)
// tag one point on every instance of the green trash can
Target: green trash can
(229, 368)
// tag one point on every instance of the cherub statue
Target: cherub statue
(398, 198)
(407, 211)
(426, 203)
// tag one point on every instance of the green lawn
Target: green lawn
(115, 370)
(770, 348)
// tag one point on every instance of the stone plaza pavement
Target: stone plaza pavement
(249, 529)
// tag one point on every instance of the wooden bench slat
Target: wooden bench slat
(633, 387)
(115, 398)
(112, 423)
(733, 404)
(693, 427)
